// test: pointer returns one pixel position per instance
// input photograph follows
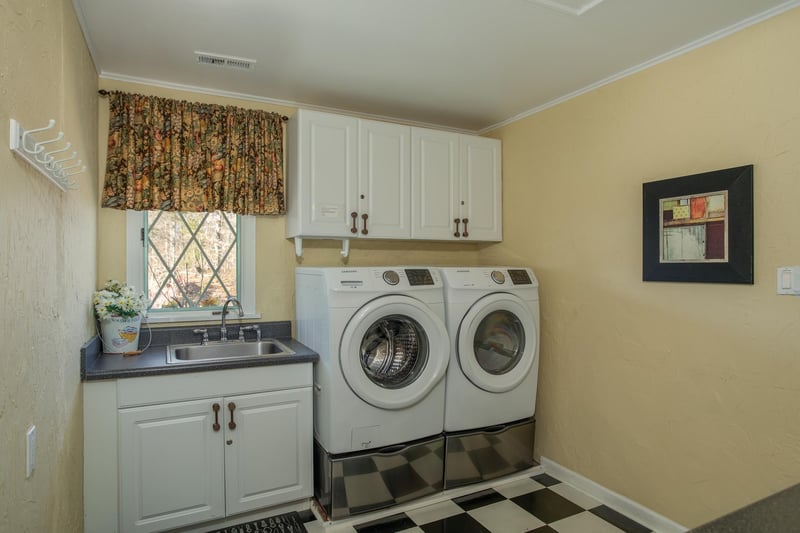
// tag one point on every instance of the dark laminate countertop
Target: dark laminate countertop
(779, 513)
(96, 365)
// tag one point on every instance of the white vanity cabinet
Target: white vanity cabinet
(347, 177)
(168, 451)
(456, 186)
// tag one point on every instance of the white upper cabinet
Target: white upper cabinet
(355, 178)
(456, 186)
(434, 170)
(480, 189)
(323, 182)
(348, 177)
(384, 184)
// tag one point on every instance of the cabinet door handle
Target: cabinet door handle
(364, 217)
(457, 221)
(216, 416)
(231, 408)
(465, 221)
(355, 217)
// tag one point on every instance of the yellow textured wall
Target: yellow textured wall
(683, 397)
(275, 258)
(47, 266)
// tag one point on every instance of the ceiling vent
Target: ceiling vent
(571, 7)
(218, 60)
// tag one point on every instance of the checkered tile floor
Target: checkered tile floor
(540, 504)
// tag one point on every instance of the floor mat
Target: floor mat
(283, 523)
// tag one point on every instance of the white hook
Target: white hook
(77, 164)
(66, 174)
(39, 147)
(50, 125)
(51, 162)
(59, 161)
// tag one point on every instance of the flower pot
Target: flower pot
(120, 334)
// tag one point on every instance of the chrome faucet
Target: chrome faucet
(223, 331)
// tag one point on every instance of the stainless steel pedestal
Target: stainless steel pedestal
(484, 454)
(348, 484)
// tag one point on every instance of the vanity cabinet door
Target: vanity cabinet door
(268, 452)
(171, 465)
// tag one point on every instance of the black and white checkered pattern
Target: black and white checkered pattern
(476, 457)
(540, 504)
(384, 481)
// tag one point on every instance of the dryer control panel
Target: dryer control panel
(489, 278)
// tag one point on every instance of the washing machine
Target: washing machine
(492, 317)
(379, 383)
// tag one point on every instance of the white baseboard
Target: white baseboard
(643, 515)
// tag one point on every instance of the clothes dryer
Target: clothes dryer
(492, 316)
(379, 383)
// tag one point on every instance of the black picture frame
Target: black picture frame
(738, 265)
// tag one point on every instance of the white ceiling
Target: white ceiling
(460, 64)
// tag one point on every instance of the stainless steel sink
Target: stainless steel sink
(226, 351)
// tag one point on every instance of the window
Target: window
(188, 264)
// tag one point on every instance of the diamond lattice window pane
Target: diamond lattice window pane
(191, 259)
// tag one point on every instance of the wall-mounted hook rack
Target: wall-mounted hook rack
(298, 247)
(36, 153)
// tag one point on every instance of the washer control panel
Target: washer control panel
(419, 276)
(519, 276)
(498, 277)
(391, 277)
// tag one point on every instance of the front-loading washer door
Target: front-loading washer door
(393, 351)
(496, 342)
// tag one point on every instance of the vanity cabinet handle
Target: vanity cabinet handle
(465, 221)
(354, 229)
(457, 221)
(216, 416)
(364, 217)
(231, 408)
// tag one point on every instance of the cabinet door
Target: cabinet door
(268, 456)
(480, 188)
(384, 180)
(434, 184)
(171, 466)
(323, 174)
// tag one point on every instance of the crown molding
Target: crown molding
(699, 43)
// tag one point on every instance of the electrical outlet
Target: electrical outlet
(31, 451)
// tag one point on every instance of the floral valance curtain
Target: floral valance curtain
(175, 155)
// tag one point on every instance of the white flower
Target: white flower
(118, 299)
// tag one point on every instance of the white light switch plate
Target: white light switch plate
(788, 281)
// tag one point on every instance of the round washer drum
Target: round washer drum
(496, 342)
(393, 351)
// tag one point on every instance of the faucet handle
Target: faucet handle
(204, 331)
(257, 329)
(252, 327)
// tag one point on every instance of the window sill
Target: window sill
(198, 316)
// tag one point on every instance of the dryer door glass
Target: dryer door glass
(499, 342)
(394, 351)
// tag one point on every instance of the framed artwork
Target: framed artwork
(699, 228)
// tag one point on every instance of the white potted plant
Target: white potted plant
(120, 309)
